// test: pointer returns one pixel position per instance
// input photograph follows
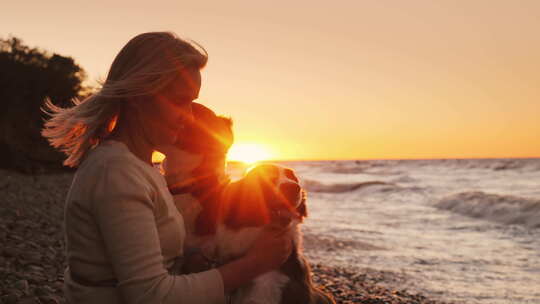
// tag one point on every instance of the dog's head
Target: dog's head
(268, 194)
(209, 136)
(280, 188)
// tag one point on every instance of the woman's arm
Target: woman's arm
(125, 214)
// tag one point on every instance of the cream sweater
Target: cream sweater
(121, 223)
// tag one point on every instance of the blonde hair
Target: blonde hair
(144, 66)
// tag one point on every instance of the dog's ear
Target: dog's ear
(207, 133)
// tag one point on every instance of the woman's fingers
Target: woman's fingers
(272, 248)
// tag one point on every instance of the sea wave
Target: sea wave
(348, 170)
(505, 209)
(404, 179)
(316, 186)
(348, 167)
(527, 164)
(372, 167)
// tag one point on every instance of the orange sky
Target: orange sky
(334, 79)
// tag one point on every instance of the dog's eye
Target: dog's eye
(290, 174)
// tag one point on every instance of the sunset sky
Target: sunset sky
(333, 79)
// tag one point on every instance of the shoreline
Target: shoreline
(32, 259)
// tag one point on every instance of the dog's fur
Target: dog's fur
(229, 216)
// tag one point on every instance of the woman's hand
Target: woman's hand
(269, 252)
(196, 262)
(271, 249)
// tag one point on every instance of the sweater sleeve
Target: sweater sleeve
(125, 214)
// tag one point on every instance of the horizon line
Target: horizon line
(367, 159)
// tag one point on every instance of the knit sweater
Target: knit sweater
(121, 223)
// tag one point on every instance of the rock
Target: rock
(35, 278)
(49, 300)
(58, 286)
(35, 268)
(43, 291)
(33, 244)
(11, 252)
(14, 236)
(33, 257)
(22, 285)
(29, 300)
(11, 298)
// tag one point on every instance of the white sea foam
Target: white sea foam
(389, 215)
(316, 186)
(507, 209)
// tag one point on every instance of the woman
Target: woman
(122, 229)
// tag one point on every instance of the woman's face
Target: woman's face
(163, 119)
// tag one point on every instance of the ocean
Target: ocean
(463, 230)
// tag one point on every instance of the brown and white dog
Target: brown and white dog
(224, 218)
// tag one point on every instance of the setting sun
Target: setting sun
(248, 153)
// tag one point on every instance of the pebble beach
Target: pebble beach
(32, 257)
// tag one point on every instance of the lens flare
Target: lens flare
(248, 153)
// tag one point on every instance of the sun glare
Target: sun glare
(248, 153)
(157, 157)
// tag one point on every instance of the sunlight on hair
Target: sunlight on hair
(248, 153)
